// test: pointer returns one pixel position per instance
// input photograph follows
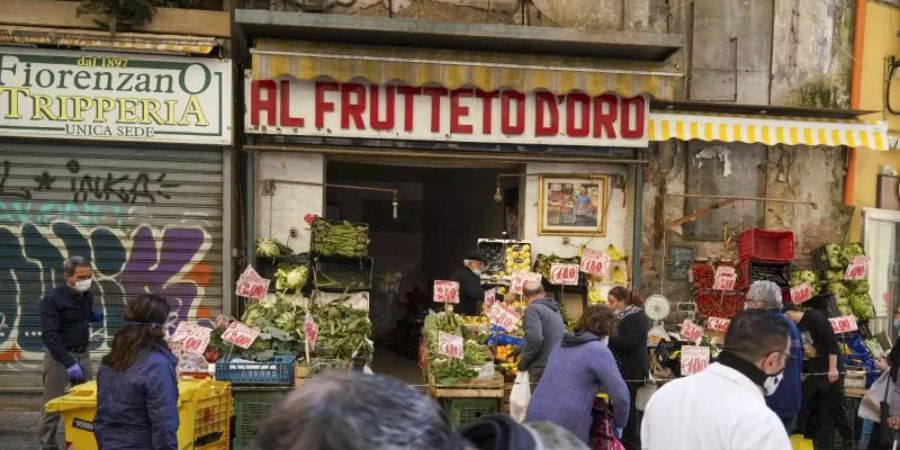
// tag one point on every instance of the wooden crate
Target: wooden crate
(475, 388)
(504, 402)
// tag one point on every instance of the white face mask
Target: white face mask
(476, 271)
(83, 285)
(772, 382)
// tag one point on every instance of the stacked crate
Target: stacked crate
(766, 255)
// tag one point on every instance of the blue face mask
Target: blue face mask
(897, 324)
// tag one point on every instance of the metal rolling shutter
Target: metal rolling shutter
(149, 219)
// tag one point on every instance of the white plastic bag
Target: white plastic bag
(520, 396)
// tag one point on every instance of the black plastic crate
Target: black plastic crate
(356, 273)
(756, 270)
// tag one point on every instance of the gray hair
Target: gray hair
(765, 293)
(353, 411)
(532, 288)
(73, 263)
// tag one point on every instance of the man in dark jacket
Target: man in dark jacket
(767, 296)
(544, 329)
(66, 314)
(822, 405)
(471, 294)
(629, 346)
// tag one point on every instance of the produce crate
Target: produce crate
(278, 371)
(474, 388)
(251, 406)
(769, 245)
(345, 271)
(362, 233)
(507, 392)
(204, 414)
(463, 411)
(757, 270)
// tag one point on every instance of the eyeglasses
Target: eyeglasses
(787, 356)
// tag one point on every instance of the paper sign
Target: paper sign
(504, 316)
(251, 285)
(801, 293)
(446, 291)
(691, 332)
(594, 262)
(311, 330)
(240, 335)
(694, 359)
(726, 278)
(564, 274)
(490, 296)
(857, 269)
(519, 280)
(192, 337)
(843, 324)
(718, 324)
(450, 345)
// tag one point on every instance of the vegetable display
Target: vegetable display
(291, 279)
(799, 277)
(518, 258)
(340, 238)
(271, 248)
(852, 297)
(543, 263)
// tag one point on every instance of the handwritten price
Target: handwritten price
(192, 337)
(251, 285)
(694, 359)
(802, 293)
(844, 324)
(691, 332)
(725, 278)
(446, 291)
(564, 274)
(718, 324)
(857, 269)
(240, 335)
(311, 330)
(504, 317)
(519, 280)
(450, 345)
(594, 262)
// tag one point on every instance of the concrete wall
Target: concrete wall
(290, 203)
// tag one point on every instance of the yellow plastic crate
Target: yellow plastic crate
(204, 412)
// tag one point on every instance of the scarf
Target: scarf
(629, 310)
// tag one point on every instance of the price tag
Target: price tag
(504, 317)
(718, 324)
(726, 278)
(857, 269)
(450, 345)
(191, 337)
(691, 332)
(311, 330)
(801, 293)
(240, 335)
(519, 280)
(446, 291)
(251, 285)
(843, 324)
(594, 262)
(490, 296)
(694, 359)
(564, 274)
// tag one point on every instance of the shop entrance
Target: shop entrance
(444, 208)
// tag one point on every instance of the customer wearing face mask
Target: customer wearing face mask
(471, 294)
(629, 346)
(66, 314)
(723, 407)
(767, 296)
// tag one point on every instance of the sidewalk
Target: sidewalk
(19, 430)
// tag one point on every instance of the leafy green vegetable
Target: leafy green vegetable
(862, 307)
(838, 289)
(833, 252)
(271, 248)
(291, 278)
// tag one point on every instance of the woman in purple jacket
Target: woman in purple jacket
(579, 368)
(137, 389)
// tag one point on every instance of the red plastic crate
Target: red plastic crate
(757, 243)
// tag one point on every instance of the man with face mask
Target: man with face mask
(66, 315)
(767, 296)
(471, 294)
(723, 407)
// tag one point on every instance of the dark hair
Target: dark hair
(147, 314)
(599, 320)
(628, 296)
(353, 411)
(754, 333)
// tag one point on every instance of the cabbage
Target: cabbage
(799, 277)
(862, 307)
(861, 287)
(838, 289)
(833, 252)
(290, 278)
(834, 276)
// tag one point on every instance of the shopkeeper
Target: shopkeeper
(471, 294)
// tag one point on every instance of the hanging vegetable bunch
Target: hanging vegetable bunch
(340, 238)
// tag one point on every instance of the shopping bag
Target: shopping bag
(870, 406)
(520, 397)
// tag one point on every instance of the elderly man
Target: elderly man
(543, 328)
(471, 294)
(785, 401)
(723, 407)
(66, 314)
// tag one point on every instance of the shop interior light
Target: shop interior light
(498, 194)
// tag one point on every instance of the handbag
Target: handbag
(887, 435)
(870, 405)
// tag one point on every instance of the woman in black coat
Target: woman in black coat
(629, 346)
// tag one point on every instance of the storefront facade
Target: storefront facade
(123, 159)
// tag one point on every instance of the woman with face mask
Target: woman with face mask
(137, 389)
(629, 346)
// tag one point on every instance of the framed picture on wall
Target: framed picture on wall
(573, 204)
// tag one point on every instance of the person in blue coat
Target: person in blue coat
(784, 400)
(137, 389)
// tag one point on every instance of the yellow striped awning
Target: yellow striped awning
(93, 39)
(768, 130)
(454, 69)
